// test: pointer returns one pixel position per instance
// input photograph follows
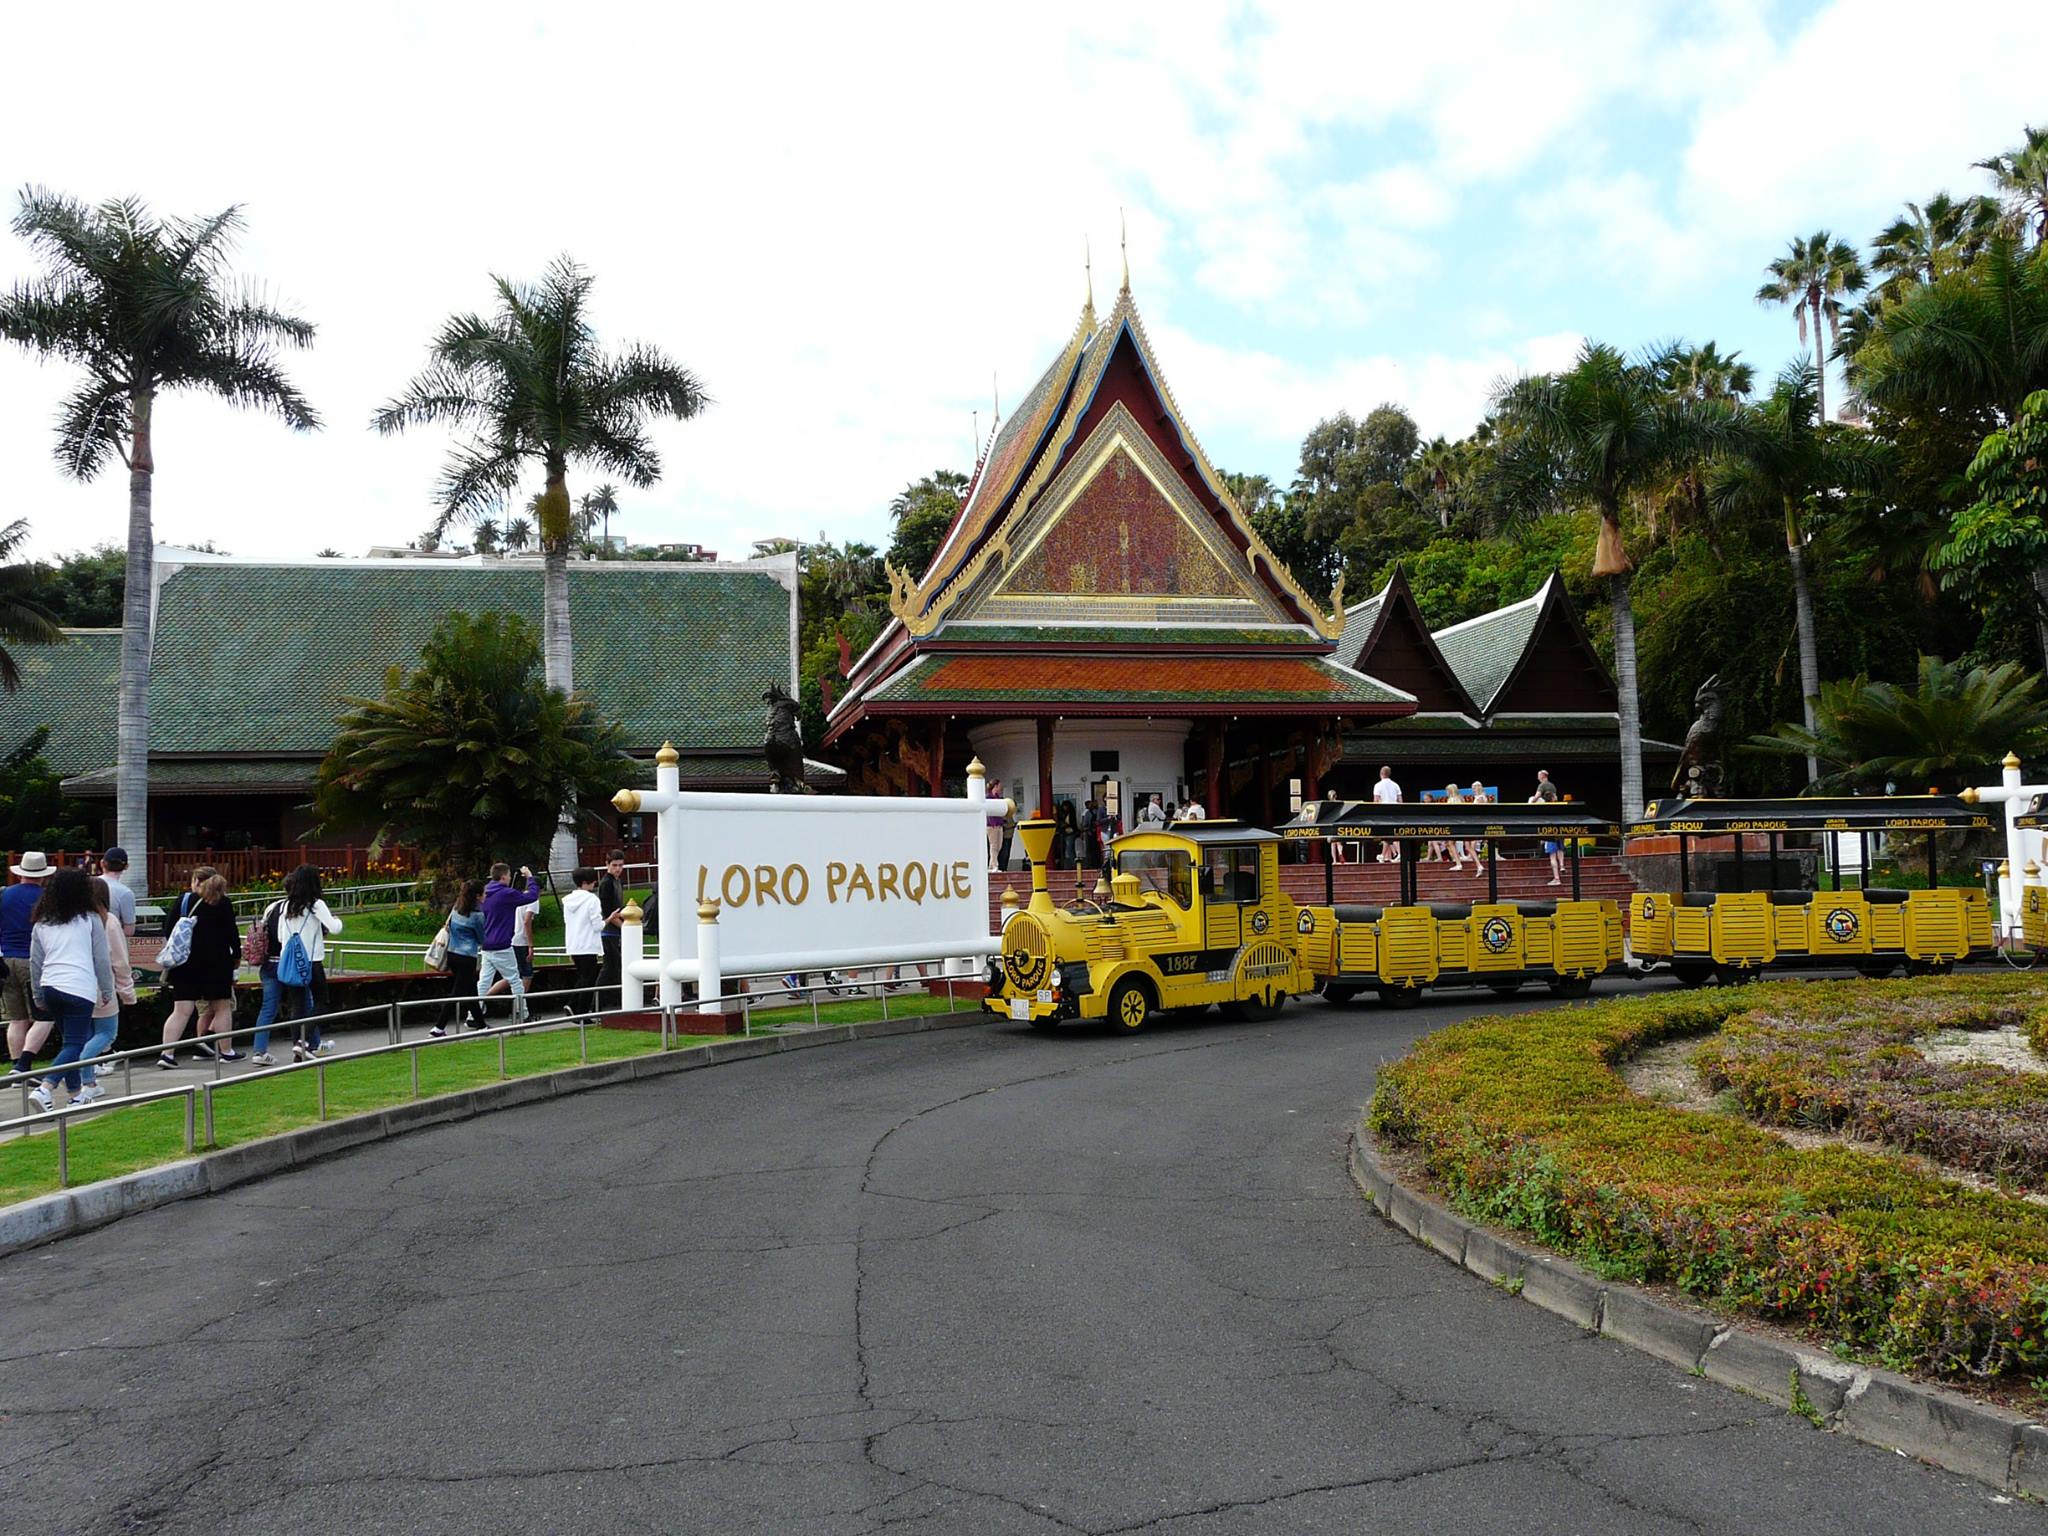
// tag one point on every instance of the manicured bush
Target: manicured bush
(1526, 1123)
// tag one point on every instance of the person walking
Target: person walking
(465, 946)
(995, 826)
(522, 948)
(205, 983)
(582, 936)
(1456, 846)
(106, 1015)
(120, 900)
(1387, 792)
(501, 900)
(70, 973)
(25, 1031)
(183, 1008)
(1153, 817)
(303, 914)
(611, 906)
(1478, 795)
(1546, 794)
(1084, 826)
(1066, 836)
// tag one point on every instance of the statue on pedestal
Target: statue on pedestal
(1699, 765)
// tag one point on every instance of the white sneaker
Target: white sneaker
(326, 1048)
(43, 1100)
(438, 1032)
(91, 1093)
(260, 1059)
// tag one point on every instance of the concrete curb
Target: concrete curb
(87, 1206)
(1990, 1444)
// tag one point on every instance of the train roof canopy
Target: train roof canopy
(2035, 817)
(1368, 819)
(1813, 813)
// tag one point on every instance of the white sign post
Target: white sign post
(2015, 796)
(802, 882)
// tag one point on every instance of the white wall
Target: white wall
(1151, 759)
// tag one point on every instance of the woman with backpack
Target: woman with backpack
(294, 964)
(205, 978)
(177, 947)
(106, 1017)
(69, 971)
(465, 927)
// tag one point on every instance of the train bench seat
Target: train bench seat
(1450, 911)
(1790, 898)
(1358, 914)
(1885, 896)
(1536, 908)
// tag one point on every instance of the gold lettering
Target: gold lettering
(914, 885)
(885, 880)
(835, 878)
(860, 881)
(796, 885)
(702, 875)
(725, 886)
(963, 879)
(764, 886)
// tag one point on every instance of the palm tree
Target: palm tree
(1924, 242)
(1950, 729)
(1439, 471)
(23, 618)
(1600, 435)
(518, 534)
(484, 535)
(530, 386)
(598, 505)
(144, 306)
(1812, 276)
(1778, 457)
(2022, 177)
(1702, 375)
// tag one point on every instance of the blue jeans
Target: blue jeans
(496, 963)
(273, 1002)
(102, 1041)
(74, 1018)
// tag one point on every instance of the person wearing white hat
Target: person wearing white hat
(25, 1032)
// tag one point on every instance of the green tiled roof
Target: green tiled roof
(71, 689)
(1486, 741)
(1483, 651)
(256, 658)
(223, 776)
(1358, 623)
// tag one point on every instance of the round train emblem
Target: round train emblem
(1649, 909)
(1496, 934)
(1842, 925)
(1306, 923)
(1261, 922)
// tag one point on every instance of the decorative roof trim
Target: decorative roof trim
(1397, 590)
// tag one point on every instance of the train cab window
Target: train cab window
(1230, 874)
(1169, 872)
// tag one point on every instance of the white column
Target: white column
(668, 869)
(710, 982)
(632, 949)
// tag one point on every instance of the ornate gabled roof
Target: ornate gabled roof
(1068, 417)
(1531, 657)
(1387, 636)
(1133, 685)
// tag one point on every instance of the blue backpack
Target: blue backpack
(295, 965)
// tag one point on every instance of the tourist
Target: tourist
(300, 913)
(582, 937)
(1478, 795)
(1193, 811)
(1546, 794)
(1084, 828)
(182, 1010)
(25, 1031)
(1108, 828)
(1153, 816)
(465, 927)
(501, 900)
(1387, 792)
(106, 1015)
(1009, 834)
(522, 948)
(70, 972)
(119, 898)
(1066, 837)
(995, 825)
(611, 905)
(1458, 850)
(205, 983)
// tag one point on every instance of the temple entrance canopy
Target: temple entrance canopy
(1102, 620)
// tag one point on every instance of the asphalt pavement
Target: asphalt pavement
(976, 1281)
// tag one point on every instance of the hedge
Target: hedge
(1526, 1123)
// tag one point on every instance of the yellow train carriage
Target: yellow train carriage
(2033, 894)
(1704, 935)
(1399, 950)
(1194, 916)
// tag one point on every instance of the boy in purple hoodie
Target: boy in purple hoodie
(497, 959)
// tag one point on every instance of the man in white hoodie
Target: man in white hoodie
(583, 937)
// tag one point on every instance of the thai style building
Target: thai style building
(1101, 619)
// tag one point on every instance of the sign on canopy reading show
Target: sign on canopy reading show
(789, 883)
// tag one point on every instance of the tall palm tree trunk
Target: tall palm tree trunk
(1820, 364)
(131, 721)
(1625, 685)
(1802, 611)
(557, 648)
(2041, 608)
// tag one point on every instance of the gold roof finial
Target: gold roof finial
(631, 913)
(626, 801)
(975, 769)
(1123, 245)
(667, 757)
(2012, 760)
(707, 911)
(1969, 795)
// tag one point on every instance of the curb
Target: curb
(68, 1212)
(2006, 1450)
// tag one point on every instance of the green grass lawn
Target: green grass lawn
(379, 926)
(860, 1010)
(264, 1103)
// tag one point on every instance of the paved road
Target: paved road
(977, 1281)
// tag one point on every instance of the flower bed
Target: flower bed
(1836, 1065)
(1526, 1123)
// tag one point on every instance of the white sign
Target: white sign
(845, 873)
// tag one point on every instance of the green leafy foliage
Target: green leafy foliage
(469, 755)
(923, 511)
(1525, 1122)
(34, 810)
(83, 590)
(24, 611)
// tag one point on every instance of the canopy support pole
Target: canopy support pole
(1492, 870)
(1329, 882)
(1684, 867)
(1933, 875)
(1573, 843)
(1771, 842)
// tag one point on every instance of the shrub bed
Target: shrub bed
(1525, 1122)
(1835, 1064)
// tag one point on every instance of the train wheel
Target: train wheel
(1570, 986)
(1340, 995)
(1875, 970)
(1505, 988)
(1400, 997)
(1736, 975)
(1256, 1009)
(1693, 975)
(1130, 1007)
(1929, 967)
(1046, 1025)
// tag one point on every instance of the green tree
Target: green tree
(25, 618)
(143, 306)
(922, 512)
(1925, 242)
(1953, 727)
(529, 387)
(1812, 276)
(597, 507)
(518, 534)
(469, 756)
(34, 810)
(83, 590)
(1778, 458)
(1601, 435)
(2022, 177)
(484, 535)
(2006, 527)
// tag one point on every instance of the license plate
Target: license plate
(1020, 1007)
(1045, 995)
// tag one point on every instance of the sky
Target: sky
(863, 226)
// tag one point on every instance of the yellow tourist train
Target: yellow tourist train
(1734, 934)
(2034, 895)
(1194, 915)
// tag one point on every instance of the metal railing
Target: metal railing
(339, 898)
(199, 1097)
